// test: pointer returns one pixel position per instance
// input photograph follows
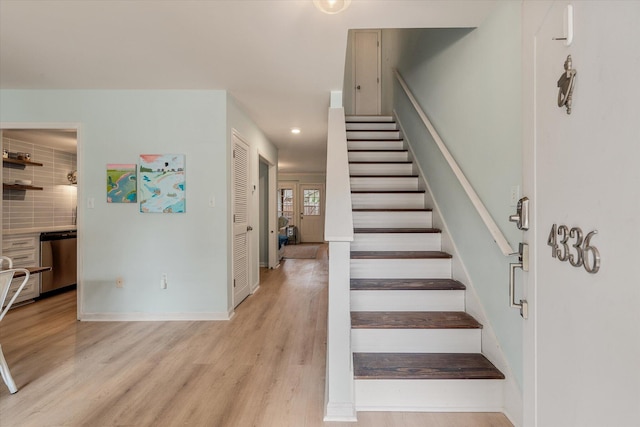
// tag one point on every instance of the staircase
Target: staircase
(413, 345)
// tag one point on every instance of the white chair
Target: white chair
(6, 276)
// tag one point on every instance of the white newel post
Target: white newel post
(340, 404)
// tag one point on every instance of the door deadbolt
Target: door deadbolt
(521, 218)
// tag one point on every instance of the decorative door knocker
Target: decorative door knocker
(565, 83)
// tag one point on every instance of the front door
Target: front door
(582, 339)
(367, 72)
(311, 213)
(241, 227)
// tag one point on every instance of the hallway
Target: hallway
(263, 368)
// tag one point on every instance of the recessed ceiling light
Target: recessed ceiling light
(295, 131)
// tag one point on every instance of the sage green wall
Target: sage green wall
(118, 240)
(469, 84)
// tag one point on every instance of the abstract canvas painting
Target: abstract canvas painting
(162, 183)
(122, 183)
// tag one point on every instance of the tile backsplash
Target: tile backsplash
(54, 205)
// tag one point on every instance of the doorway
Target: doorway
(366, 72)
(40, 194)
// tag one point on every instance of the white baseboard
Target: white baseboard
(154, 317)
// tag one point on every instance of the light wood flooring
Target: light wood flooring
(263, 368)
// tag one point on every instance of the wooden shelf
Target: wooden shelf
(19, 187)
(21, 162)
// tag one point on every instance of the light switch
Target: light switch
(91, 203)
(212, 202)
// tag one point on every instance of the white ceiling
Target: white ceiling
(279, 59)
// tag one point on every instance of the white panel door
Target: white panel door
(311, 213)
(583, 169)
(366, 54)
(241, 227)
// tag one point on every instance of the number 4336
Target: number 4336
(571, 245)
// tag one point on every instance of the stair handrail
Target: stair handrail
(491, 225)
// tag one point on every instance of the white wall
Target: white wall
(118, 240)
(469, 84)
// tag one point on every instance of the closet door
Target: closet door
(241, 227)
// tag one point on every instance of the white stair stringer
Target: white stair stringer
(394, 241)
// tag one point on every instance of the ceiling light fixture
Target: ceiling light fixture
(295, 131)
(332, 6)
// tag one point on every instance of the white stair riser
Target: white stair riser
(429, 395)
(372, 134)
(403, 184)
(381, 169)
(392, 219)
(372, 126)
(388, 201)
(407, 300)
(378, 156)
(368, 119)
(375, 145)
(401, 268)
(396, 242)
(416, 340)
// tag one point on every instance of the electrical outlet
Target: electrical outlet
(515, 195)
(163, 281)
(119, 282)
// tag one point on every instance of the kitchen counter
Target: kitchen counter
(9, 232)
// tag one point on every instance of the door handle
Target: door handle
(358, 87)
(249, 228)
(523, 258)
(521, 217)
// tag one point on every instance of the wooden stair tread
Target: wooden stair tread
(391, 210)
(425, 366)
(399, 255)
(396, 230)
(406, 285)
(413, 320)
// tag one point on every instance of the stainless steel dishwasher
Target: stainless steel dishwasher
(58, 250)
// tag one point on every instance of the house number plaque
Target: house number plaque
(573, 246)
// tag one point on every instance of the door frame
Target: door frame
(272, 211)
(79, 196)
(353, 69)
